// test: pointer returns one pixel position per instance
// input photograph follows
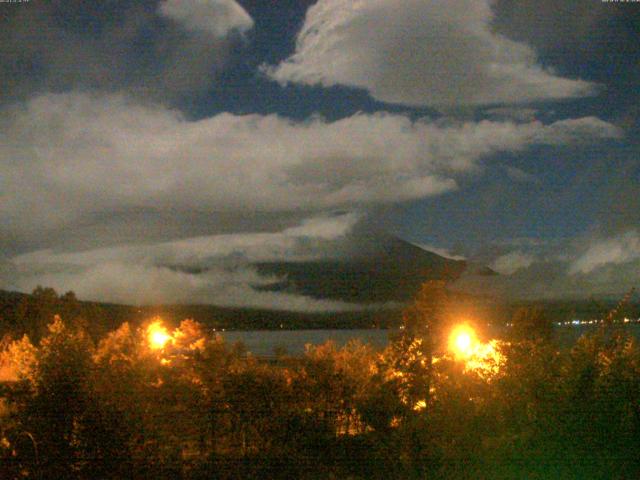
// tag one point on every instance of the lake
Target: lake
(264, 342)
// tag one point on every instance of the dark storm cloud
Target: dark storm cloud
(595, 40)
(614, 179)
(550, 25)
(598, 40)
(60, 46)
(576, 26)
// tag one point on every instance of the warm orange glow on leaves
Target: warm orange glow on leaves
(420, 405)
(158, 335)
(481, 358)
(485, 359)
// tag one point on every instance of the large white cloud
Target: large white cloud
(215, 17)
(415, 52)
(511, 262)
(618, 250)
(69, 155)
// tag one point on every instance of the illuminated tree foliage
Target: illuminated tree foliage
(158, 401)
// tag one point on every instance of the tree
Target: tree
(36, 311)
(531, 323)
(61, 396)
(409, 360)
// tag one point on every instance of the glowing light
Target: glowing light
(462, 341)
(158, 335)
(484, 359)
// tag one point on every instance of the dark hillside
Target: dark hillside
(30, 313)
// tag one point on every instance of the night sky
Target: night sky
(141, 136)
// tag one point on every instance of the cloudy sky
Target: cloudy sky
(150, 151)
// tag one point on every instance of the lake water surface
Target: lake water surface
(265, 342)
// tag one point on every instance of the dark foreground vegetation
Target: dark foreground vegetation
(148, 402)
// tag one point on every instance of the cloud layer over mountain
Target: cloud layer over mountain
(211, 269)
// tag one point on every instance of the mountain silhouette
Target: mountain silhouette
(378, 269)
